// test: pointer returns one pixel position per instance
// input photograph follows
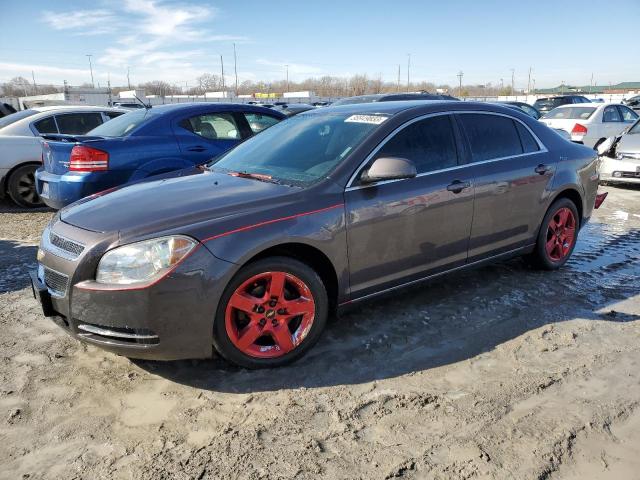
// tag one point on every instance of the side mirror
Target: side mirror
(389, 168)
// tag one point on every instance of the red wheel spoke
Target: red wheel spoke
(551, 245)
(276, 285)
(242, 301)
(563, 215)
(299, 306)
(249, 335)
(282, 337)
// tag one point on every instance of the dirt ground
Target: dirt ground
(503, 372)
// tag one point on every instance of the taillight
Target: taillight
(87, 159)
(579, 130)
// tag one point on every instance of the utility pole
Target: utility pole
(222, 71)
(287, 67)
(408, 70)
(513, 83)
(398, 77)
(235, 66)
(109, 86)
(529, 82)
(128, 80)
(460, 75)
(35, 87)
(502, 84)
(590, 83)
(91, 70)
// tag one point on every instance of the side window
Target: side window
(628, 115)
(611, 114)
(491, 136)
(259, 122)
(112, 115)
(78, 123)
(430, 144)
(529, 143)
(46, 125)
(213, 126)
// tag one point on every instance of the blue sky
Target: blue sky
(177, 41)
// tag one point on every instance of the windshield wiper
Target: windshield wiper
(256, 176)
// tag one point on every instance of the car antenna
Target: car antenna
(143, 104)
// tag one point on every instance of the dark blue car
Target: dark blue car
(143, 143)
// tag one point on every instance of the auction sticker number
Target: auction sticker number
(373, 119)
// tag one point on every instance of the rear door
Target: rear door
(512, 172)
(403, 230)
(205, 136)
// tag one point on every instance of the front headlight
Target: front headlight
(143, 261)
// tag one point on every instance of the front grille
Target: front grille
(629, 174)
(73, 249)
(125, 335)
(56, 282)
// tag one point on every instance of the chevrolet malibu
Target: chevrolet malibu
(249, 255)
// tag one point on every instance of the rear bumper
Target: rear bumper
(69, 187)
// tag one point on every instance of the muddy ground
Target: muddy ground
(503, 372)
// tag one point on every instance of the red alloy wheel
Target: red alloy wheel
(270, 314)
(561, 234)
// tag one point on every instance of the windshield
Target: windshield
(549, 103)
(574, 113)
(124, 124)
(14, 117)
(355, 100)
(302, 149)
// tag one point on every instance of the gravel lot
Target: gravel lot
(502, 372)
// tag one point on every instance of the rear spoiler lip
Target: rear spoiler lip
(60, 137)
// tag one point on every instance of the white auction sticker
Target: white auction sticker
(374, 119)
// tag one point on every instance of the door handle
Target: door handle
(197, 148)
(457, 186)
(542, 169)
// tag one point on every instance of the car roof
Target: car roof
(398, 106)
(592, 104)
(49, 108)
(198, 106)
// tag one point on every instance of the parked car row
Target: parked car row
(247, 255)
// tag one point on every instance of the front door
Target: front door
(399, 231)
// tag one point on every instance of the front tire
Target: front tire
(271, 313)
(557, 236)
(21, 187)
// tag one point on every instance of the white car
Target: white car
(591, 124)
(20, 143)
(620, 157)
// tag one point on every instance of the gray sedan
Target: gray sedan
(249, 255)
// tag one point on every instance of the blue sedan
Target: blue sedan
(143, 143)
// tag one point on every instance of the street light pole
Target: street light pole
(222, 71)
(91, 70)
(513, 83)
(408, 69)
(287, 67)
(128, 80)
(460, 75)
(235, 66)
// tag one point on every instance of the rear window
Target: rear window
(78, 123)
(491, 136)
(549, 103)
(573, 113)
(124, 124)
(14, 117)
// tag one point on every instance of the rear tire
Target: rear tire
(557, 236)
(256, 325)
(21, 187)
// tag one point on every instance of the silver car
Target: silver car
(20, 144)
(620, 163)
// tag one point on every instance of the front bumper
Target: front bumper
(168, 320)
(614, 170)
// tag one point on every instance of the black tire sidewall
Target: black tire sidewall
(541, 256)
(12, 185)
(230, 352)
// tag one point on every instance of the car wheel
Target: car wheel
(557, 236)
(22, 187)
(271, 313)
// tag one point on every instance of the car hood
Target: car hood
(629, 144)
(171, 202)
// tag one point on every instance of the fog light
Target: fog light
(40, 255)
(617, 174)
